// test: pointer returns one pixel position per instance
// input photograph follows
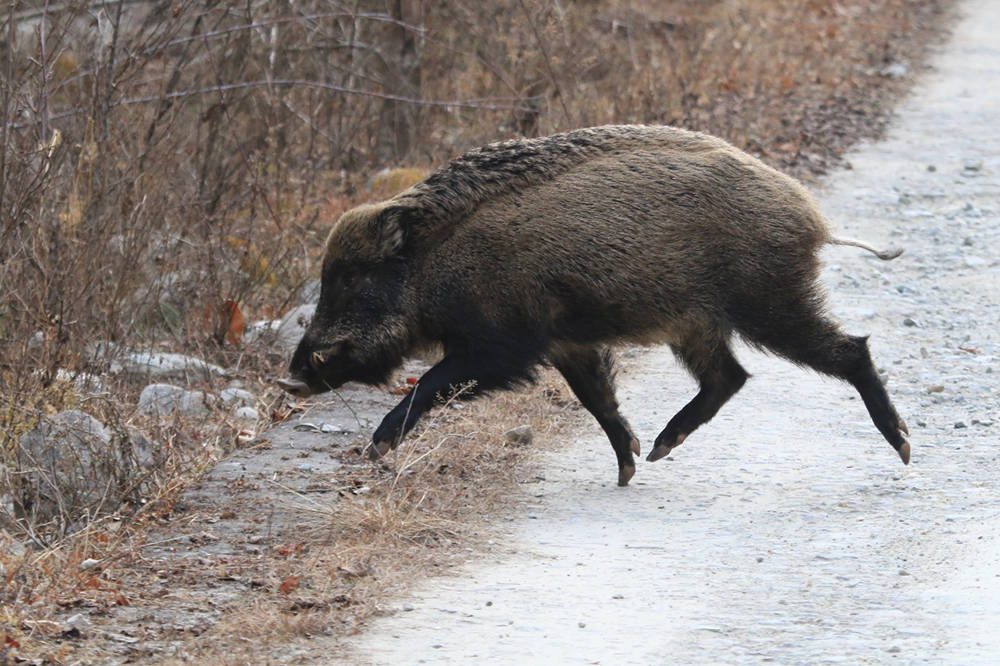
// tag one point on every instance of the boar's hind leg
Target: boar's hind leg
(589, 373)
(808, 338)
(472, 374)
(720, 376)
(818, 343)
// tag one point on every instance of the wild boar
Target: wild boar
(553, 250)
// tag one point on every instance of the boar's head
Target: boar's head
(360, 331)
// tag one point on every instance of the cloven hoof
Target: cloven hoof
(625, 475)
(904, 452)
(658, 452)
(378, 449)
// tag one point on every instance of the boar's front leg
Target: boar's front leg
(470, 373)
(590, 374)
(720, 376)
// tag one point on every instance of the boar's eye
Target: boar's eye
(353, 282)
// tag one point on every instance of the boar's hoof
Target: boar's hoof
(659, 451)
(379, 449)
(904, 452)
(625, 474)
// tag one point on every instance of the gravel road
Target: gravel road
(786, 530)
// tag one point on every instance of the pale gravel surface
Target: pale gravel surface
(786, 530)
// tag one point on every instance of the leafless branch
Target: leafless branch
(295, 19)
(548, 60)
(485, 104)
(37, 12)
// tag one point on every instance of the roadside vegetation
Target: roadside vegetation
(169, 170)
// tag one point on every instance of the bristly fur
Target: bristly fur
(454, 191)
(554, 249)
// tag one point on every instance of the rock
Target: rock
(67, 432)
(142, 448)
(972, 165)
(156, 365)
(519, 435)
(896, 70)
(321, 426)
(12, 549)
(909, 322)
(260, 333)
(11, 546)
(282, 334)
(72, 465)
(164, 399)
(247, 414)
(293, 326)
(75, 626)
(236, 397)
(83, 383)
(960, 424)
(309, 294)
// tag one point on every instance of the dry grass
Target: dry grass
(353, 553)
(159, 169)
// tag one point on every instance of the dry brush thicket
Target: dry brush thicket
(169, 168)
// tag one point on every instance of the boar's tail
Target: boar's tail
(885, 255)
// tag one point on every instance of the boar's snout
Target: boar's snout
(296, 387)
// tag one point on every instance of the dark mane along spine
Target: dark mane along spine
(455, 190)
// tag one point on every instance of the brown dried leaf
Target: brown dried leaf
(289, 584)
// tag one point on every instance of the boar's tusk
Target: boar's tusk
(295, 387)
(318, 359)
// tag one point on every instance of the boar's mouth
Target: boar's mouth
(296, 387)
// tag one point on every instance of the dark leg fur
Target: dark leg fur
(818, 343)
(473, 374)
(720, 376)
(590, 374)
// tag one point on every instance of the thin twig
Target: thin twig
(548, 61)
(466, 104)
(109, 79)
(384, 18)
(28, 14)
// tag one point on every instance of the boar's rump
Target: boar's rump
(553, 250)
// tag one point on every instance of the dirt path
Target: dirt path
(786, 530)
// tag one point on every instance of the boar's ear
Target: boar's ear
(389, 230)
